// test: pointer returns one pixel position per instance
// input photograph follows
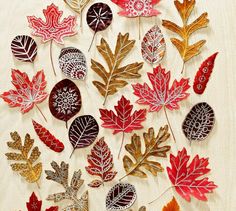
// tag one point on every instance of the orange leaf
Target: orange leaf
(171, 206)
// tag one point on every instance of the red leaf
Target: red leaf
(53, 28)
(203, 74)
(52, 209)
(135, 8)
(34, 204)
(161, 96)
(123, 121)
(47, 138)
(100, 163)
(27, 93)
(185, 178)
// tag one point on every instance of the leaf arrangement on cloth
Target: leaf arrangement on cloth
(65, 100)
(114, 78)
(72, 63)
(161, 96)
(25, 160)
(187, 50)
(77, 6)
(153, 46)
(124, 121)
(28, 93)
(203, 74)
(24, 48)
(99, 17)
(35, 205)
(100, 164)
(121, 197)
(199, 122)
(83, 132)
(172, 206)
(137, 8)
(60, 175)
(152, 149)
(47, 138)
(53, 28)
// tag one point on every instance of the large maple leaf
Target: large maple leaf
(161, 96)
(185, 178)
(124, 121)
(28, 93)
(53, 29)
(137, 8)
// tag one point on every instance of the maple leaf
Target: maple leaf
(53, 28)
(100, 163)
(34, 204)
(185, 178)
(171, 206)
(161, 96)
(137, 8)
(28, 93)
(124, 121)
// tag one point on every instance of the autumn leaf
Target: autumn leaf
(114, 77)
(25, 160)
(161, 96)
(171, 206)
(100, 164)
(187, 50)
(124, 121)
(152, 149)
(27, 93)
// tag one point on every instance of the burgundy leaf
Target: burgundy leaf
(65, 100)
(73, 63)
(52, 209)
(83, 132)
(24, 48)
(101, 162)
(34, 204)
(121, 197)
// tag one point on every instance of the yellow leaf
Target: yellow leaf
(26, 169)
(114, 77)
(172, 206)
(186, 50)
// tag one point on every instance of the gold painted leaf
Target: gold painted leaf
(114, 77)
(60, 175)
(152, 148)
(172, 206)
(77, 5)
(187, 50)
(25, 167)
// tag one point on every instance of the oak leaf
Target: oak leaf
(152, 148)
(171, 206)
(25, 166)
(187, 50)
(114, 77)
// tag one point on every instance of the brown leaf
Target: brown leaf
(172, 206)
(143, 208)
(187, 50)
(25, 167)
(152, 148)
(114, 77)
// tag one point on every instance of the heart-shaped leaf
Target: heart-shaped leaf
(73, 63)
(24, 48)
(65, 100)
(83, 132)
(121, 197)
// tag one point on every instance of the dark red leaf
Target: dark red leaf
(83, 131)
(185, 178)
(24, 48)
(47, 138)
(34, 204)
(52, 209)
(101, 163)
(203, 74)
(73, 63)
(65, 100)
(121, 197)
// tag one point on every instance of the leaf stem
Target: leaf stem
(72, 152)
(66, 125)
(169, 124)
(41, 112)
(105, 99)
(161, 194)
(122, 143)
(182, 71)
(92, 41)
(51, 58)
(81, 25)
(139, 26)
(37, 183)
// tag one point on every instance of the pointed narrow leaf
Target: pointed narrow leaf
(171, 206)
